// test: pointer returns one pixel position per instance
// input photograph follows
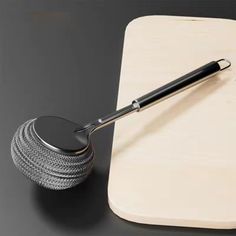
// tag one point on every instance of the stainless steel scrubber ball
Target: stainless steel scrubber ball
(61, 169)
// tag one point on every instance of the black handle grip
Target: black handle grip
(177, 85)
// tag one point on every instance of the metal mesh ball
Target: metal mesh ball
(47, 167)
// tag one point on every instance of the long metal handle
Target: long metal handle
(197, 76)
(177, 85)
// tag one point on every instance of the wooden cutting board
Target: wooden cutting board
(175, 163)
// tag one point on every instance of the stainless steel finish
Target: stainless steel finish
(91, 127)
(106, 120)
(224, 63)
(57, 153)
(45, 166)
(58, 134)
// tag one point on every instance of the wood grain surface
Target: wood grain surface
(175, 163)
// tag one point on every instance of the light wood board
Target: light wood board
(175, 163)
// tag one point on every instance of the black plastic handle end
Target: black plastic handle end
(179, 84)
